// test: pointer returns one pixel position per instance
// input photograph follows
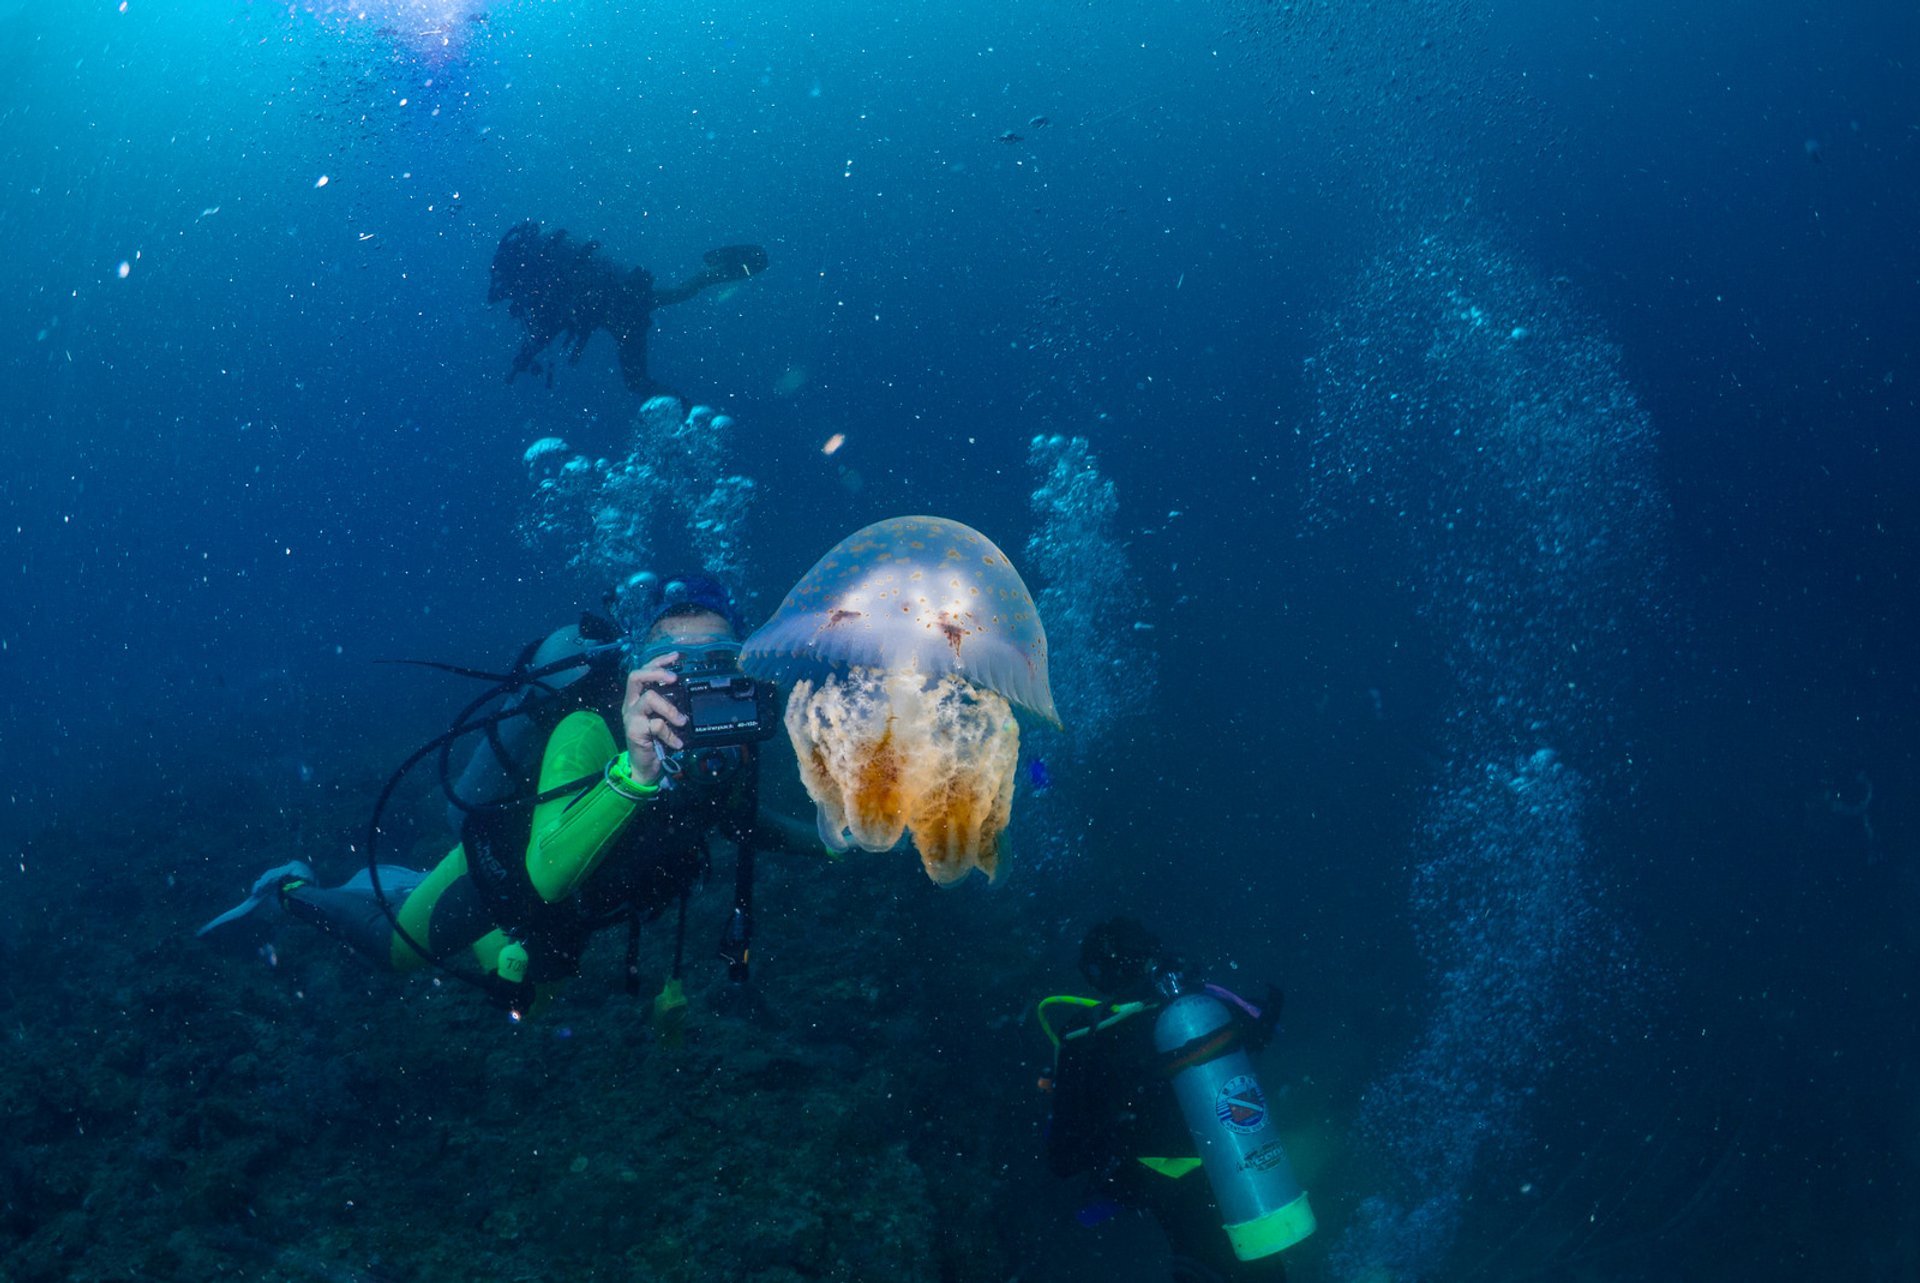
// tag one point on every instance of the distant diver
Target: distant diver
(563, 289)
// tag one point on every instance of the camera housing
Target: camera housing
(723, 706)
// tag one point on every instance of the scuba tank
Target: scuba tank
(1261, 1203)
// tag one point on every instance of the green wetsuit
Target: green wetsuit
(571, 835)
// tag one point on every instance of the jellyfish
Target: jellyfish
(907, 646)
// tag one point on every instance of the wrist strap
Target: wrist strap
(619, 777)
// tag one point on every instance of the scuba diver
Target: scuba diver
(608, 760)
(562, 289)
(1153, 1080)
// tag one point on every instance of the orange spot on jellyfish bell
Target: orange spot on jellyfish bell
(902, 721)
(953, 632)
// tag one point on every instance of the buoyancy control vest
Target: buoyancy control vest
(654, 862)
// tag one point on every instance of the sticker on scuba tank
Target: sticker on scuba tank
(1264, 1158)
(1239, 1105)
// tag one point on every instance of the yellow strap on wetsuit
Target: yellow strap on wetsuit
(1170, 1167)
(1058, 1000)
(1120, 1011)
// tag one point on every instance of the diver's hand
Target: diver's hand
(650, 717)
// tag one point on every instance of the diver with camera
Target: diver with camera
(603, 766)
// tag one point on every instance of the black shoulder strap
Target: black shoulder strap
(479, 715)
(736, 939)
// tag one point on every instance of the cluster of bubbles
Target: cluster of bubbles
(1504, 914)
(1462, 401)
(672, 500)
(1468, 417)
(1101, 666)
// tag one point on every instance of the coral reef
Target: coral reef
(176, 1111)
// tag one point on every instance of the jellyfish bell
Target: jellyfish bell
(907, 646)
(912, 593)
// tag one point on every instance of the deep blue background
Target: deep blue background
(282, 446)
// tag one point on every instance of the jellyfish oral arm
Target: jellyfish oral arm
(888, 755)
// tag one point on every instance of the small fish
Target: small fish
(1010, 137)
(1039, 776)
(1039, 122)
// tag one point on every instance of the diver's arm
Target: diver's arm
(668, 295)
(572, 836)
(573, 833)
(728, 263)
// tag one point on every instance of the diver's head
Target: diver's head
(694, 616)
(1121, 958)
(677, 612)
(687, 626)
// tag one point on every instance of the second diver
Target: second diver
(562, 290)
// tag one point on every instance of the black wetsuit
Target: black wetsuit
(562, 290)
(1112, 1107)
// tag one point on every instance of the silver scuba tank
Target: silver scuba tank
(1261, 1203)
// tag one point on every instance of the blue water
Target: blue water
(1489, 597)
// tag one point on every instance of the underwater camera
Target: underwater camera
(722, 705)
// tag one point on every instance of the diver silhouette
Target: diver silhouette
(564, 289)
